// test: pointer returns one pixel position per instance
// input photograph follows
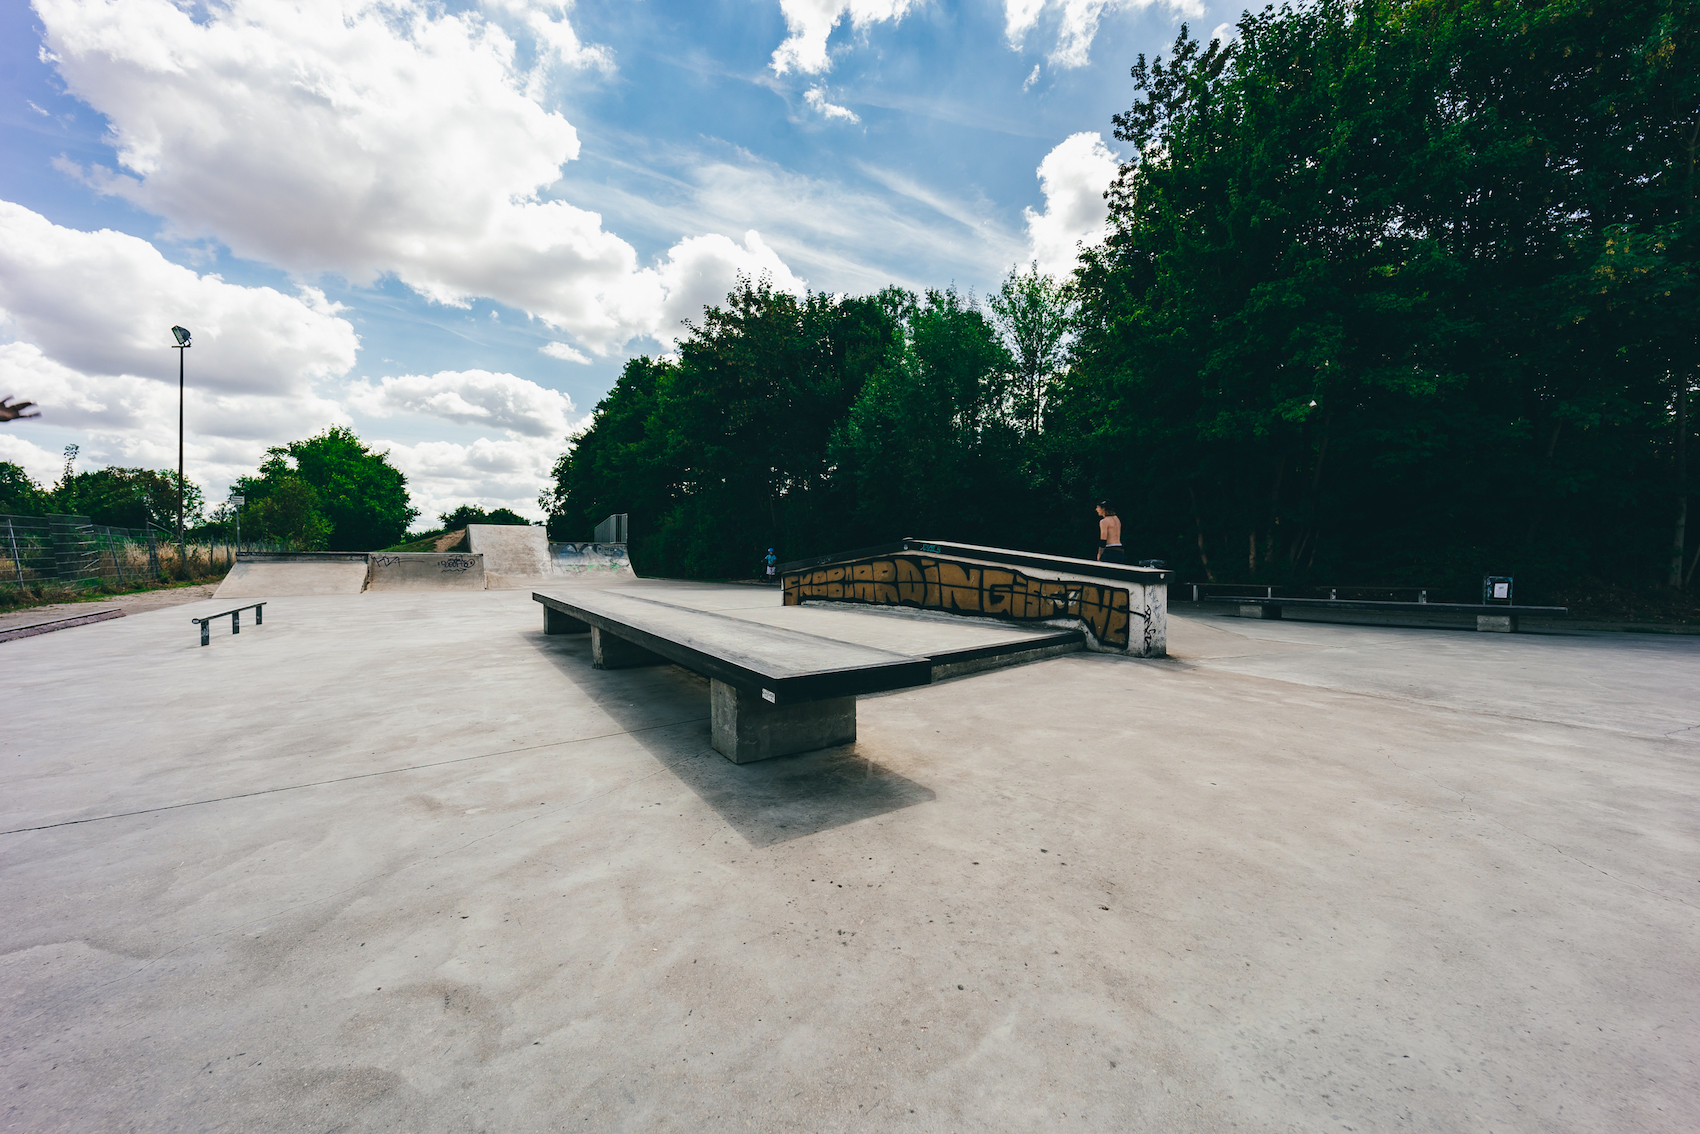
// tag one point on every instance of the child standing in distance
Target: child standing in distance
(1109, 534)
(771, 560)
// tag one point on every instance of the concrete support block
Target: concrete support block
(1259, 610)
(554, 622)
(746, 728)
(610, 652)
(1496, 623)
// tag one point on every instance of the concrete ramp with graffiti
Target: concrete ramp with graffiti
(424, 571)
(1124, 609)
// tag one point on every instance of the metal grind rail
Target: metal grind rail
(235, 616)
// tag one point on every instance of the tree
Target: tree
(127, 498)
(20, 495)
(330, 491)
(473, 514)
(1034, 312)
(1358, 268)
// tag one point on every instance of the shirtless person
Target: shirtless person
(1109, 534)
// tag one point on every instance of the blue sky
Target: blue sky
(450, 225)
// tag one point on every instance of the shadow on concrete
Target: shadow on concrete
(769, 802)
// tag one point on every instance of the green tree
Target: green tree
(128, 498)
(473, 514)
(20, 495)
(290, 512)
(1351, 316)
(1035, 314)
(331, 491)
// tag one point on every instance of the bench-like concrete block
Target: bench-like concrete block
(554, 622)
(1259, 610)
(608, 651)
(1496, 623)
(745, 728)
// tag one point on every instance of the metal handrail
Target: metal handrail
(259, 609)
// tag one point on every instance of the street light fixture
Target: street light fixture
(183, 344)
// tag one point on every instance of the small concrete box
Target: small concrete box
(746, 728)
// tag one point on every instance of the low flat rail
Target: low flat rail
(235, 616)
(1501, 617)
(1413, 607)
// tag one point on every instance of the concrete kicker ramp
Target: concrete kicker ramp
(1125, 609)
(424, 571)
(275, 574)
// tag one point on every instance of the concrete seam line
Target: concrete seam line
(346, 779)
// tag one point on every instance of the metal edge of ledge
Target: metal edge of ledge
(35, 629)
(989, 556)
(302, 556)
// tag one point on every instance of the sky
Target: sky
(449, 225)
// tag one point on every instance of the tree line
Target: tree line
(1394, 291)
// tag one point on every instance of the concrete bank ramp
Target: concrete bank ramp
(275, 574)
(514, 555)
(424, 571)
(586, 561)
(517, 557)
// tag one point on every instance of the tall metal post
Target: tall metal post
(182, 557)
(182, 336)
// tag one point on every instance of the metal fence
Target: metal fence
(612, 530)
(74, 553)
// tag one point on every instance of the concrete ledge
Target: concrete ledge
(1496, 623)
(1259, 610)
(746, 728)
(607, 651)
(557, 622)
(997, 661)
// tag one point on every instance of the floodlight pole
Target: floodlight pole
(182, 337)
(182, 556)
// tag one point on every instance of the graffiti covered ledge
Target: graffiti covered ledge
(1124, 609)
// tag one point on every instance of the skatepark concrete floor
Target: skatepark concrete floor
(400, 862)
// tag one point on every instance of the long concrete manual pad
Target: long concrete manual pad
(784, 667)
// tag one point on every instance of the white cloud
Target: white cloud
(1225, 33)
(471, 397)
(859, 238)
(565, 353)
(42, 466)
(88, 318)
(1032, 77)
(1076, 23)
(556, 40)
(700, 270)
(816, 98)
(104, 302)
(810, 22)
(1073, 178)
(363, 137)
(506, 473)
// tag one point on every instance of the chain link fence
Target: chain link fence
(42, 554)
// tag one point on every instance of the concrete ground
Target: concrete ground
(400, 862)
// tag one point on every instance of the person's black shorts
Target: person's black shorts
(1117, 554)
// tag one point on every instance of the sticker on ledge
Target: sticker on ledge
(767, 695)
